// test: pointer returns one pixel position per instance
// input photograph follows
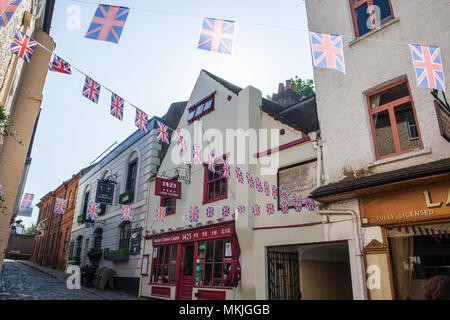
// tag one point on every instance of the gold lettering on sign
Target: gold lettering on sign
(430, 205)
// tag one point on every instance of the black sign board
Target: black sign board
(105, 192)
(136, 235)
(443, 116)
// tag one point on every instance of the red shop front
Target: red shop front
(199, 263)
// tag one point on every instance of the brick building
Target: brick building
(51, 245)
(21, 85)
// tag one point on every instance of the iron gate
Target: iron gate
(283, 271)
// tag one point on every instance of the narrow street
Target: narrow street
(25, 283)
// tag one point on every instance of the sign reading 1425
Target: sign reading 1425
(168, 188)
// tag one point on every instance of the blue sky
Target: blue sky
(155, 63)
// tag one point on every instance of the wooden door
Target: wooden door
(186, 276)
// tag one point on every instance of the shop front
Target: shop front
(192, 264)
(415, 220)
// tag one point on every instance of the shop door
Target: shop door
(186, 279)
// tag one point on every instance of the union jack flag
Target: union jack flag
(256, 209)
(59, 65)
(275, 192)
(241, 209)
(181, 143)
(267, 188)
(284, 207)
(160, 214)
(217, 35)
(250, 181)
(60, 206)
(270, 209)
(212, 163)
(193, 214)
(127, 212)
(117, 104)
(23, 46)
(239, 175)
(226, 170)
(209, 212)
(327, 51)
(283, 195)
(7, 9)
(27, 201)
(225, 211)
(298, 204)
(428, 65)
(163, 135)
(258, 184)
(197, 154)
(310, 204)
(93, 210)
(91, 89)
(141, 120)
(107, 23)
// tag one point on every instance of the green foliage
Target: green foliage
(6, 126)
(304, 88)
(74, 258)
(120, 252)
(95, 254)
(31, 231)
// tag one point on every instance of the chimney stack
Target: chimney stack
(287, 94)
(281, 87)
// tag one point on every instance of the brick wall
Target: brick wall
(19, 247)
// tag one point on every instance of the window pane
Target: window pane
(208, 274)
(165, 278)
(167, 255)
(218, 251)
(407, 127)
(389, 95)
(154, 274)
(227, 253)
(384, 137)
(159, 277)
(211, 191)
(217, 281)
(226, 270)
(172, 271)
(385, 9)
(200, 274)
(361, 19)
(223, 187)
(191, 115)
(201, 252)
(161, 255)
(209, 251)
(199, 110)
(208, 104)
(217, 188)
(173, 254)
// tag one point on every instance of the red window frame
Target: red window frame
(224, 261)
(198, 104)
(157, 263)
(173, 209)
(206, 183)
(355, 5)
(390, 106)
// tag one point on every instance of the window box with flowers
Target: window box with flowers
(118, 255)
(126, 197)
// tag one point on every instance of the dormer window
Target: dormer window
(201, 108)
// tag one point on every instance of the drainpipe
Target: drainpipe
(357, 236)
(145, 233)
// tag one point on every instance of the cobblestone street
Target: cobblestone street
(25, 283)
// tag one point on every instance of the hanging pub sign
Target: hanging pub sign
(105, 192)
(168, 188)
(443, 116)
(135, 247)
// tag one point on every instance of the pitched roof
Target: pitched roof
(301, 116)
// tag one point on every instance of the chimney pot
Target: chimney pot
(293, 87)
(281, 87)
(288, 84)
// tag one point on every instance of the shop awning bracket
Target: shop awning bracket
(182, 173)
